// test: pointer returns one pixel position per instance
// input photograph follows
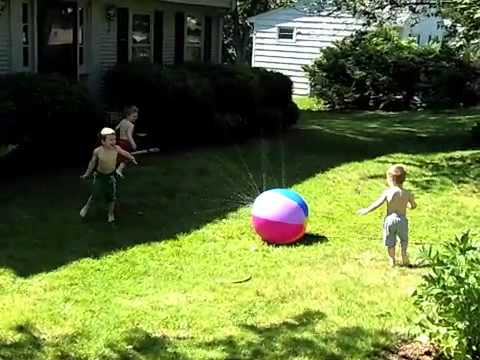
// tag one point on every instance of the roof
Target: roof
(400, 20)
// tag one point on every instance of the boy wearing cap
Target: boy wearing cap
(102, 165)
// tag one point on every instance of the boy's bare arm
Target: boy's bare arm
(91, 165)
(130, 137)
(375, 205)
(412, 204)
(126, 154)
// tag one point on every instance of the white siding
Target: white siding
(5, 57)
(104, 38)
(312, 33)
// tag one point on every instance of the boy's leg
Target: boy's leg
(390, 237)
(403, 235)
(391, 254)
(111, 212)
(86, 207)
(405, 259)
(120, 169)
(111, 196)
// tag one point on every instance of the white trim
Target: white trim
(219, 39)
(87, 43)
(35, 35)
(13, 36)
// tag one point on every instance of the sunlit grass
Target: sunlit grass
(161, 283)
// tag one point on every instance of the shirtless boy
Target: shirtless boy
(396, 223)
(125, 130)
(102, 165)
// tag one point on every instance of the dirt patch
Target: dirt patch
(414, 351)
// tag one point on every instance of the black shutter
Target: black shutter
(158, 38)
(122, 35)
(179, 37)
(207, 46)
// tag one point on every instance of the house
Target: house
(81, 39)
(286, 39)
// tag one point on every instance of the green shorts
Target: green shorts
(105, 186)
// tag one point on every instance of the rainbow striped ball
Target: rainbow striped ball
(280, 216)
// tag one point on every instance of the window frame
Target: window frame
(294, 33)
(85, 45)
(30, 46)
(131, 45)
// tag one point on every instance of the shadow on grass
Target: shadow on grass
(312, 239)
(298, 338)
(457, 169)
(29, 344)
(167, 195)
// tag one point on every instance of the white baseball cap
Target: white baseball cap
(107, 131)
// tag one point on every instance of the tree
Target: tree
(237, 41)
(462, 16)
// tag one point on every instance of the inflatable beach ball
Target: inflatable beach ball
(280, 216)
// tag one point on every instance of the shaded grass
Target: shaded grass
(161, 283)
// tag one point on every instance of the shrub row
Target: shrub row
(199, 103)
(49, 117)
(55, 121)
(379, 70)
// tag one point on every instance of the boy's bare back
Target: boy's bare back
(125, 129)
(398, 200)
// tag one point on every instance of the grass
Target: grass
(160, 283)
(308, 103)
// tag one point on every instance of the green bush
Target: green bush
(449, 298)
(202, 103)
(47, 116)
(379, 70)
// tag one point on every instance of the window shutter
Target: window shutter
(122, 35)
(207, 46)
(179, 37)
(158, 38)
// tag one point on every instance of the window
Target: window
(141, 38)
(193, 42)
(286, 33)
(26, 34)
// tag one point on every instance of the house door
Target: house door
(58, 37)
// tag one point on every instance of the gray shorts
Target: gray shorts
(395, 226)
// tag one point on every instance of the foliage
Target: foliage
(216, 103)
(237, 30)
(449, 297)
(462, 16)
(42, 113)
(379, 70)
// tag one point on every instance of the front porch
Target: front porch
(81, 39)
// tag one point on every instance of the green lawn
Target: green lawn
(160, 283)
